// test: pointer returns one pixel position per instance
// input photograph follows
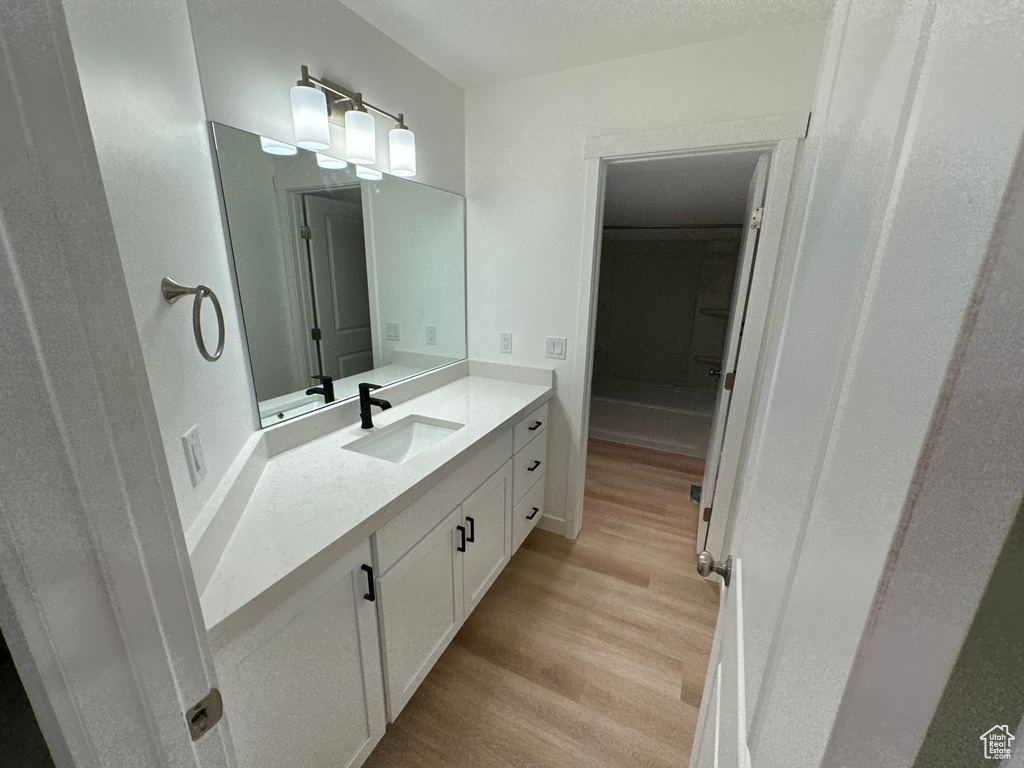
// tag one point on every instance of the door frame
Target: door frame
(97, 596)
(780, 135)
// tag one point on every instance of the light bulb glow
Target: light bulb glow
(274, 147)
(309, 115)
(330, 163)
(360, 138)
(402, 144)
(370, 174)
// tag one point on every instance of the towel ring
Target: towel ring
(173, 291)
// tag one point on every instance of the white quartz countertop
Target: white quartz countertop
(319, 496)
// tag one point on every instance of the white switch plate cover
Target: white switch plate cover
(194, 456)
(506, 343)
(432, 334)
(392, 332)
(554, 347)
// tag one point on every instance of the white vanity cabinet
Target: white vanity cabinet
(300, 671)
(437, 559)
(486, 516)
(531, 446)
(420, 610)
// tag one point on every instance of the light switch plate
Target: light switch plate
(432, 335)
(392, 332)
(506, 344)
(194, 456)
(554, 347)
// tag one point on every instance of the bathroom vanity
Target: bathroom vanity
(341, 566)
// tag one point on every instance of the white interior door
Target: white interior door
(338, 252)
(748, 252)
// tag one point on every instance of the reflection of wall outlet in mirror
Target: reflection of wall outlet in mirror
(393, 332)
(506, 343)
(431, 334)
(194, 456)
(554, 347)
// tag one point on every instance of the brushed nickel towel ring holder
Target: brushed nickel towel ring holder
(173, 291)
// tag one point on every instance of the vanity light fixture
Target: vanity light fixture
(330, 163)
(309, 115)
(402, 145)
(360, 136)
(274, 147)
(370, 174)
(360, 126)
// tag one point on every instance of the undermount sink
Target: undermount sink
(404, 439)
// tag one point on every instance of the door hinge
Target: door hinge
(730, 379)
(755, 217)
(707, 514)
(305, 233)
(205, 714)
(315, 334)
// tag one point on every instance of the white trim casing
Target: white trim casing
(780, 135)
(96, 587)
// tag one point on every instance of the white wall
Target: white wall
(525, 184)
(146, 112)
(141, 88)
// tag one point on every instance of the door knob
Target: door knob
(706, 564)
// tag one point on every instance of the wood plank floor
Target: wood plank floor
(583, 653)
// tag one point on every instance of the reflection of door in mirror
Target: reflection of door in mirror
(358, 280)
(341, 300)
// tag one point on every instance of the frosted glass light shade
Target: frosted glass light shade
(330, 163)
(272, 147)
(360, 138)
(402, 144)
(309, 115)
(370, 174)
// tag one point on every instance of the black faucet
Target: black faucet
(365, 402)
(327, 389)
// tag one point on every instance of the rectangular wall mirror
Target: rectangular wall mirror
(341, 277)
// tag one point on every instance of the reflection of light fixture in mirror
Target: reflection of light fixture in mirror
(360, 128)
(330, 163)
(402, 144)
(272, 147)
(370, 174)
(309, 115)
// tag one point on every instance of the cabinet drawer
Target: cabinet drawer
(531, 426)
(526, 514)
(531, 462)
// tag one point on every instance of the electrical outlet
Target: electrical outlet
(432, 334)
(392, 332)
(194, 456)
(506, 344)
(554, 347)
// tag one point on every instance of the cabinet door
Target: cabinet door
(302, 683)
(487, 517)
(420, 609)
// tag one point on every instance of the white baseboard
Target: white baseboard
(552, 524)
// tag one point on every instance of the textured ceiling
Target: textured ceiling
(702, 191)
(478, 42)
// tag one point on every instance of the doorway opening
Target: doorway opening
(676, 258)
(670, 245)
